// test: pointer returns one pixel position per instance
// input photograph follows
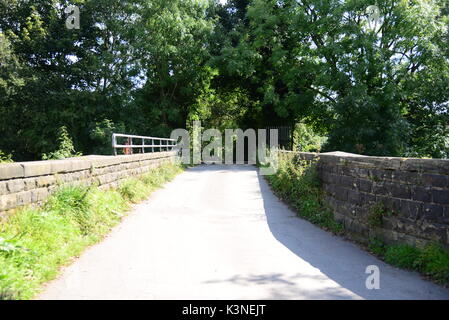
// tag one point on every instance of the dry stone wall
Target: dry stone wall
(398, 200)
(32, 182)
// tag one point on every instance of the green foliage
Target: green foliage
(377, 92)
(5, 158)
(376, 215)
(66, 148)
(297, 182)
(101, 135)
(247, 64)
(402, 256)
(132, 190)
(305, 139)
(432, 260)
(35, 242)
(377, 247)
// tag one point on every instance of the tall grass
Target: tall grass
(432, 260)
(35, 242)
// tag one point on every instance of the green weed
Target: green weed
(402, 256)
(432, 260)
(377, 214)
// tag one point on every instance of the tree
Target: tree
(319, 60)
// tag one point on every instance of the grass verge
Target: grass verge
(431, 261)
(36, 242)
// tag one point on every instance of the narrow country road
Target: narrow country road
(218, 232)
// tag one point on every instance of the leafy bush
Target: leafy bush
(66, 148)
(5, 158)
(101, 135)
(306, 139)
(402, 256)
(298, 183)
(434, 262)
(377, 247)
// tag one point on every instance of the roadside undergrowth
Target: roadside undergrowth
(36, 242)
(431, 261)
(297, 183)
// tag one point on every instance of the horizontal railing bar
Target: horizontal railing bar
(144, 146)
(164, 143)
(142, 137)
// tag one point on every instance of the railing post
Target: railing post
(114, 143)
(143, 145)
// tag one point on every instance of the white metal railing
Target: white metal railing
(129, 146)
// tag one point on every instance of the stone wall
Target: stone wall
(398, 200)
(32, 182)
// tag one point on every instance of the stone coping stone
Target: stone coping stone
(11, 171)
(387, 163)
(41, 168)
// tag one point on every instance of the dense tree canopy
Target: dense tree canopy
(150, 66)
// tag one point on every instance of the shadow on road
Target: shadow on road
(340, 260)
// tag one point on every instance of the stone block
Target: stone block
(401, 191)
(445, 217)
(16, 185)
(421, 194)
(367, 198)
(406, 177)
(45, 181)
(432, 212)
(380, 189)
(109, 161)
(434, 231)
(24, 198)
(411, 209)
(61, 166)
(30, 183)
(8, 201)
(435, 180)
(79, 165)
(39, 195)
(11, 171)
(440, 196)
(347, 182)
(354, 197)
(36, 168)
(365, 185)
(341, 193)
(3, 189)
